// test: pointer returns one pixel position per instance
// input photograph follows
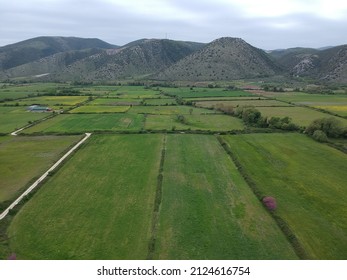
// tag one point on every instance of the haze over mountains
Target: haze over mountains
(78, 59)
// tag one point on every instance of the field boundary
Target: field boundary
(157, 202)
(43, 177)
(284, 227)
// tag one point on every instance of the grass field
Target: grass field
(100, 109)
(300, 115)
(194, 122)
(115, 101)
(50, 101)
(10, 92)
(208, 211)
(99, 205)
(161, 101)
(12, 118)
(240, 103)
(204, 92)
(80, 123)
(337, 109)
(235, 98)
(23, 158)
(308, 180)
(168, 110)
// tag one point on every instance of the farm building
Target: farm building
(38, 108)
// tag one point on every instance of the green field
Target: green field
(99, 205)
(168, 110)
(100, 109)
(339, 109)
(240, 103)
(207, 209)
(80, 123)
(115, 101)
(194, 122)
(300, 115)
(160, 101)
(204, 92)
(12, 118)
(11, 92)
(23, 158)
(50, 101)
(308, 180)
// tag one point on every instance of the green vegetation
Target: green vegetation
(161, 101)
(80, 123)
(300, 115)
(23, 158)
(168, 110)
(183, 195)
(207, 209)
(49, 101)
(194, 122)
(205, 92)
(12, 118)
(100, 109)
(240, 103)
(308, 180)
(99, 205)
(115, 101)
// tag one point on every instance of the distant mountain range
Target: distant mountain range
(78, 59)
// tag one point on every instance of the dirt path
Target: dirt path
(37, 182)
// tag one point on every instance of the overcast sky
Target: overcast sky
(267, 24)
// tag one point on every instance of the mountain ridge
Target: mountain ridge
(56, 58)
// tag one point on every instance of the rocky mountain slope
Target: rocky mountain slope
(223, 59)
(78, 59)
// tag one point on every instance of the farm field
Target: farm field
(207, 209)
(235, 98)
(23, 158)
(154, 182)
(80, 123)
(205, 92)
(99, 205)
(300, 115)
(169, 110)
(307, 99)
(160, 101)
(194, 122)
(240, 103)
(115, 101)
(12, 118)
(50, 101)
(308, 180)
(100, 109)
(341, 110)
(11, 92)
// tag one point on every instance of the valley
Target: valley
(172, 172)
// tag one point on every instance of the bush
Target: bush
(270, 203)
(330, 126)
(320, 136)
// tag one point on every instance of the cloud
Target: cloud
(265, 24)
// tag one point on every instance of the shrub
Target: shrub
(320, 136)
(270, 203)
(330, 126)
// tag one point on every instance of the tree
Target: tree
(251, 115)
(320, 136)
(330, 126)
(270, 203)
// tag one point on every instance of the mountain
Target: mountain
(223, 59)
(326, 64)
(34, 49)
(78, 59)
(139, 58)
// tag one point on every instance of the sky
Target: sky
(266, 24)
